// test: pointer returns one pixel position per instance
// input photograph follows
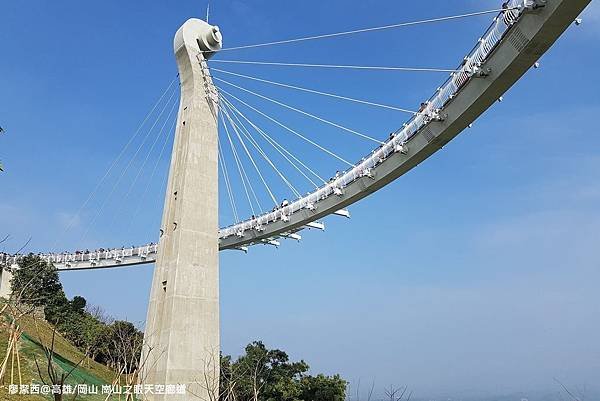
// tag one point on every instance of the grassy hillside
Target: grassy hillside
(35, 333)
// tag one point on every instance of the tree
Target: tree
(269, 374)
(78, 304)
(323, 388)
(54, 375)
(40, 285)
(99, 314)
(57, 310)
(120, 346)
(14, 309)
(262, 374)
(116, 344)
(83, 331)
(38, 281)
(397, 393)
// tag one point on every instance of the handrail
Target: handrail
(433, 111)
(397, 141)
(94, 257)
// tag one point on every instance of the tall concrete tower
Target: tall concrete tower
(182, 327)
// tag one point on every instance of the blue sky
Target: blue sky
(474, 274)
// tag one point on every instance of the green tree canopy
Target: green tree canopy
(323, 388)
(260, 374)
(78, 304)
(119, 346)
(269, 375)
(37, 281)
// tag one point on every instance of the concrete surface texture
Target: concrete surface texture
(182, 327)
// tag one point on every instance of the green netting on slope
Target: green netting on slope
(79, 375)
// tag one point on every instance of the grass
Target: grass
(35, 333)
(40, 332)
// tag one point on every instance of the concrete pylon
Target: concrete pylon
(5, 278)
(181, 343)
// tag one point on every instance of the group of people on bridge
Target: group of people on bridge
(430, 110)
(86, 255)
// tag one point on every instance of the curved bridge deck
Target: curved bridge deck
(94, 260)
(513, 43)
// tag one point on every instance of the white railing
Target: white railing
(92, 258)
(432, 112)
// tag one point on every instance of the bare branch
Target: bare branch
(573, 397)
(24, 246)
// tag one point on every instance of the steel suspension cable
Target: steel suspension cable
(363, 30)
(112, 165)
(254, 164)
(249, 136)
(227, 183)
(281, 149)
(147, 157)
(316, 92)
(287, 128)
(252, 191)
(117, 182)
(323, 120)
(239, 166)
(335, 66)
(257, 146)
(154, 169)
